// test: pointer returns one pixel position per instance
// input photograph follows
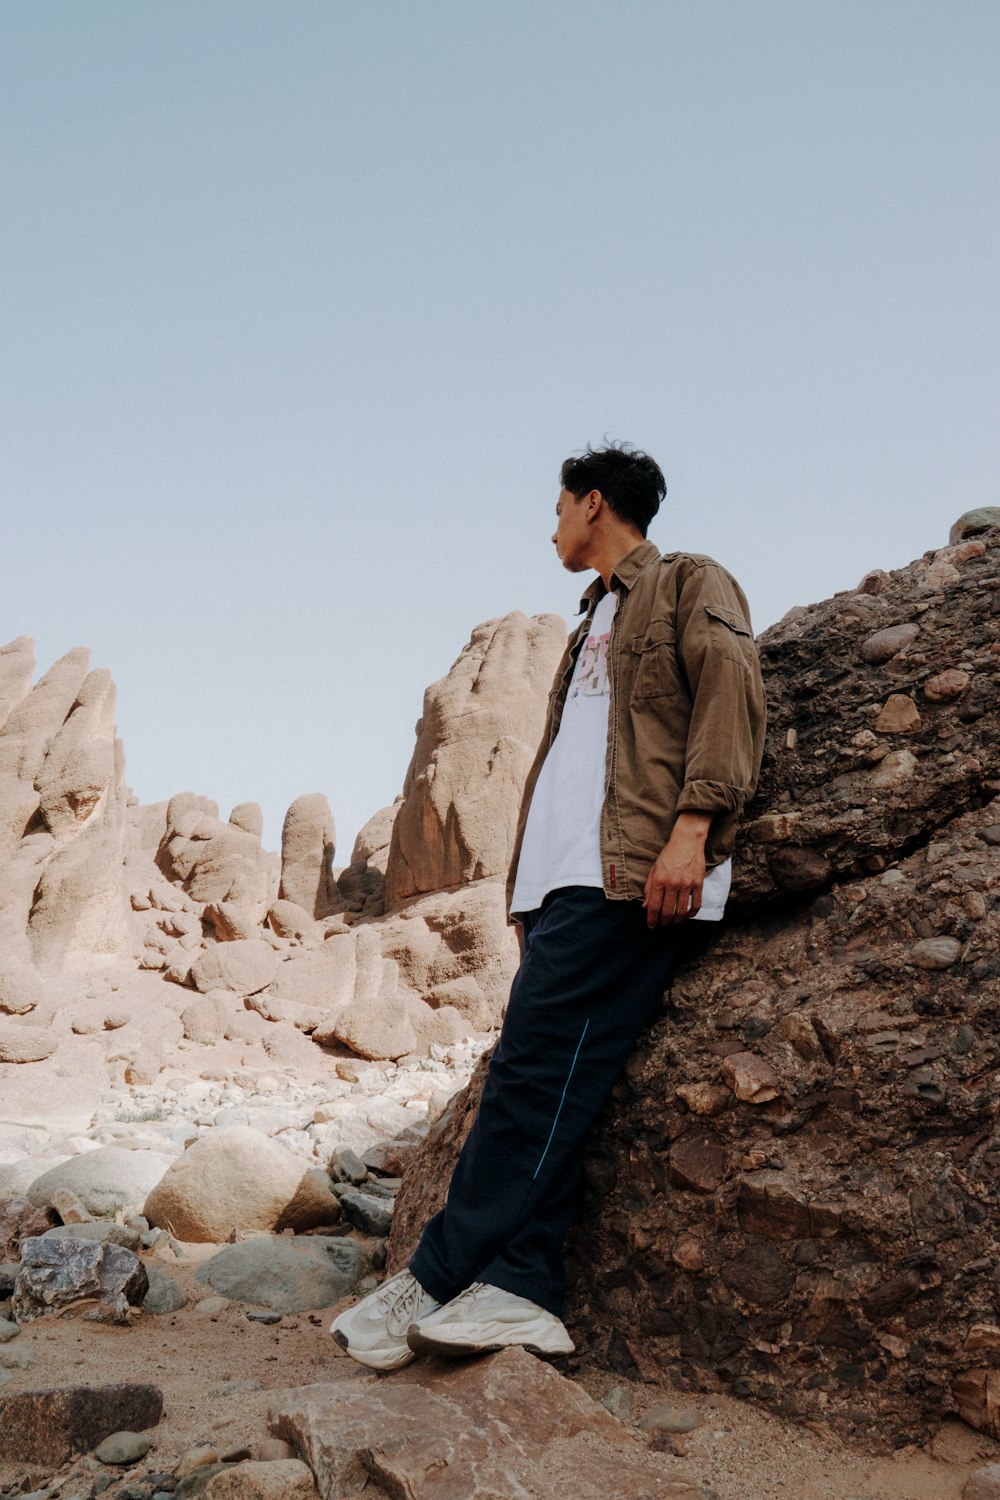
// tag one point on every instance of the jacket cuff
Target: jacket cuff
(710, 797)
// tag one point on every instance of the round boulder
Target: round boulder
(105, 1180)
(243, 967)
(25, 1044)
(239, 1179)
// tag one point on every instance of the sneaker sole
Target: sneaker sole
(342, 1341)
(423, 1343)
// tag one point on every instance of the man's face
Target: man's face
(572, 536)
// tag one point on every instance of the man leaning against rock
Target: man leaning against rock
(651, 748)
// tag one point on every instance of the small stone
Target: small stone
(885, 644)
(688, 1252)
(19, 992)
(973, 522)
(981, 1336)
(195, 1483)
(256, 1316)
(936, 953)
(983, 1484)
(697, 1163)
(237, 1388)
(21, 1043)
(116, 1019)
(164, 1295)
(347, 1072)
(751, 1078)
(946, 686)
(123, 1448)
(370, 1214)
(8, 1331)
(275, 1479)
(898, 1348)
(347, 1166)
(618, 1402)
(894, 769)
(271, 1448)
(703, 1098)
(69, 1207)
(211, 1307)
(196, 1458)
(674, 1419)
(898, 715)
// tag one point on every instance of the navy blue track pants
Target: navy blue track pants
(592, 975)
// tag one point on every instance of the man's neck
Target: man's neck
(612, 549)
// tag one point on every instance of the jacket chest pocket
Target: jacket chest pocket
(655, 659)
(730, 634)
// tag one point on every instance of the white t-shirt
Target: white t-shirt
(562, 836)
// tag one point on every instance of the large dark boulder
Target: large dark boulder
(793, 1194)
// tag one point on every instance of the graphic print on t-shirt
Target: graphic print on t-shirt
(591, 675)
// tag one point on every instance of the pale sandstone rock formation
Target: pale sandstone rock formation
(290, 920)
(20, 1042)
(475, 742)
(308, 844)
(243, 966)
(214, 861)
(362, 884)
(230, 922)
(392, 1026)
(238, 1179)
(62, 815)
(249, 817)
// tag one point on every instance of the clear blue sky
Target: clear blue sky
(304, 303)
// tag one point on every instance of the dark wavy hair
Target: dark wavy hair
(631, 482)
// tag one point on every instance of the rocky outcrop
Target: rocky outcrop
(794, 1191)
(475, 742)
(62, 815)
(308, 844)
(882, 723)
(214, 861)
(362, 884)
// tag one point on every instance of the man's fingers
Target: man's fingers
(681, 903)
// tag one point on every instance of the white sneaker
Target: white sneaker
(484, 1318)
(373, 1331)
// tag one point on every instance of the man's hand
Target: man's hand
(673, 885)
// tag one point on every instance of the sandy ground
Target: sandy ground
(218, 1374)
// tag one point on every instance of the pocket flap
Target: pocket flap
(730, 617)
(659, 633)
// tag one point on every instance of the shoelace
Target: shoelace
(471, 1293)
(400, 1303)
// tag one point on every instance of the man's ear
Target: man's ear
(594, 503)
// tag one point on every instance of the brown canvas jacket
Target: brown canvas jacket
(686, 715)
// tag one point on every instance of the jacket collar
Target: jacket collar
(626, 573)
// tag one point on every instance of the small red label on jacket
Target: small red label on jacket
(611, 872)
